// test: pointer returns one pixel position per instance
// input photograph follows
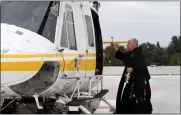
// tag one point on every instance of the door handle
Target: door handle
(60, 50)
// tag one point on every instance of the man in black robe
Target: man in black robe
(134, 62)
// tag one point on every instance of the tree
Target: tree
(175, 59)
(149, 52)
(154, 54)
(179, 46)
(174, 50)
(174, 46)
(158, 45)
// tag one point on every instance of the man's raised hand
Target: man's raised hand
(112, 44)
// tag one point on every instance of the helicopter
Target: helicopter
(51, 57)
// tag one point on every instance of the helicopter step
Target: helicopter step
(82, 104)
(78, 102)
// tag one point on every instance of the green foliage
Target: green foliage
(175, 59)
(174, 46)
(158, 45)
(155, 54)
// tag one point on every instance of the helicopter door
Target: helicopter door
(90, 40)
(67, 39)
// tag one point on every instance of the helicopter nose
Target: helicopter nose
(11, 67)
(25, 68)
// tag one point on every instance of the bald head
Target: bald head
(132, 43)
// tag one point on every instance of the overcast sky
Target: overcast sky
(146, 21)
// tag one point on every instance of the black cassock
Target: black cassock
(141, 90)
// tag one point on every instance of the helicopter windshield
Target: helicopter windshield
(37, 16)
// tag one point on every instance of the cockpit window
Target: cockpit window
(37, 16)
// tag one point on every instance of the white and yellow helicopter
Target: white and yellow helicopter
(51, 56)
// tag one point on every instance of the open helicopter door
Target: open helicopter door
(90, 39)
(70, 30)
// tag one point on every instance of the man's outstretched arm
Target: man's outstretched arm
(119, 55)
(114, 46)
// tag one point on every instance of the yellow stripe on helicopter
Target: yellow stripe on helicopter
(88, 65)
(43, 55)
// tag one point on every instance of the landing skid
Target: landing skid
(80, 103)
(98, 95)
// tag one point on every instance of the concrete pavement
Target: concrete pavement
(165, 93)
